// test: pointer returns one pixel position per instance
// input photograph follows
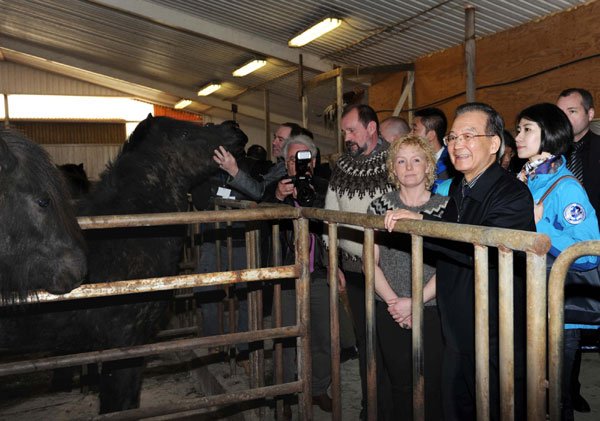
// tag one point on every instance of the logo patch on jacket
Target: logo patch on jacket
(574, 213)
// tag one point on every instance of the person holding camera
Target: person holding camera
(301, 188)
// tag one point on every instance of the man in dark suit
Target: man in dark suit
(483, 194)
(583, 159)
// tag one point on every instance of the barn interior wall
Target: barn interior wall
(507, 56)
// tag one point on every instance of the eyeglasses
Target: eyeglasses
(467, 137)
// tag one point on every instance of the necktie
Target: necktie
(574, 163)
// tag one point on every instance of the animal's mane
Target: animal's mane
(157, 149)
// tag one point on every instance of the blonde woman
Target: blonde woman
(411, 166)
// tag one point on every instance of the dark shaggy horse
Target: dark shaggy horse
(76, 179)
(154, 172)
(41, 246)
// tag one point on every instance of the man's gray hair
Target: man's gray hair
(299, 140)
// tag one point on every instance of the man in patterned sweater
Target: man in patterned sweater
(359, 177)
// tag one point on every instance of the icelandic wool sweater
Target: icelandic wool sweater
(354, 183)
(395, 248)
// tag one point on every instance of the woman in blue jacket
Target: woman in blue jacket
(561, 206)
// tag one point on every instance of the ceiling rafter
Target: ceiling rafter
(220, 33)
(134, 84)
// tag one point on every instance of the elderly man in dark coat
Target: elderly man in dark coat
(485, 194)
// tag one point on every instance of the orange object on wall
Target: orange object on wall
(179, 115)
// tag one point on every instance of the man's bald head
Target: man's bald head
(392, 128)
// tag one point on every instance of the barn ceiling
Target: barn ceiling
(163, 50)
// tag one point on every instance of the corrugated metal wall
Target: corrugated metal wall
(19, 79)
(93, 157)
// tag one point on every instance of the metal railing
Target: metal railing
(506, 241)
(556, 319)
(301, 330)
(534, 245)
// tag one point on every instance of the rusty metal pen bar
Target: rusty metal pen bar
(535, 245)
(556, 319)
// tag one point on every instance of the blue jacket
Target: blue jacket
(569, 217)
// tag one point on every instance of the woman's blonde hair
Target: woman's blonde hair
(412, 140)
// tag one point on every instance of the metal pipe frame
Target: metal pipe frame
(50, 363)
(482, 334)
(336, 381)
(278, 354)
(302, 237)
(506, 331)
(196, 404)
(369, 269)
(418, 329)
(556, 318)
(536, 246)
(536, 339)
(105, 289)
(486, 236)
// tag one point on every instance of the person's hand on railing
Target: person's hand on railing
(392, 216)
(226, 161)
(400, 308)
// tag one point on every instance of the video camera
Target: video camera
(303, 179)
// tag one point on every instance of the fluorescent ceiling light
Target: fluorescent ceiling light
(182, 103)
(249, 67)
(48, 107)
(209, 89)
(315, 32)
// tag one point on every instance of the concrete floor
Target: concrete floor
(589, 378)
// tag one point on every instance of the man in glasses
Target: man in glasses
(487, 195)
(242, 181)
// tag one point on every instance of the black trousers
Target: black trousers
(395, 348)
(355, 287)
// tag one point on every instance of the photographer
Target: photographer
(301, 188)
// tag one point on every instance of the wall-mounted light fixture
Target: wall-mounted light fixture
(209, 89)
(249, 67)
(182, 103)
(314, 32)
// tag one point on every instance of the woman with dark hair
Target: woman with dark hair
(562, 211)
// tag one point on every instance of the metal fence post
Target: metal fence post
(417, 329)
(334, 323)
(536, 338)
(303, 318)
(369, 263)
(482, 334)
(506, 331)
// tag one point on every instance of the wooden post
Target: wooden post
(6, 118)
(268, 125)
(470, 51)
(340, 106)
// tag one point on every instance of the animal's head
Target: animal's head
(189, 143)
(41, 246)
(76, 179)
